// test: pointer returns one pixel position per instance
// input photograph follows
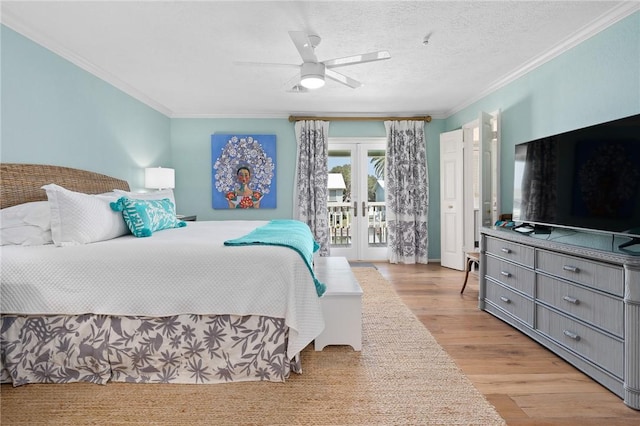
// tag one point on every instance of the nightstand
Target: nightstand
(191, 218)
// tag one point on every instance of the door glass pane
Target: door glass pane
(339, 202)
(377, 228)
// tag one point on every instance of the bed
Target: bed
(179, 306)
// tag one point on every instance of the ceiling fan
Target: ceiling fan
(313, 72)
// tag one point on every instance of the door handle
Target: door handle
(355, 208)
(363, 209)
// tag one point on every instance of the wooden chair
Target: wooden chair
(472, 258)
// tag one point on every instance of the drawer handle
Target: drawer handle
(505, 274)
(505, 250)
(571, 300)
(571, 335)
(505, 299)
(571, 268)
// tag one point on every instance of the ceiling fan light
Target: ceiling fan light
(312, 75)
(312, 81)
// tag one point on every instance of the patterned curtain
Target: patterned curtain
(407, 192)
(310, 192)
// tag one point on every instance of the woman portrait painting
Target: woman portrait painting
(243, 171)
(244, 197)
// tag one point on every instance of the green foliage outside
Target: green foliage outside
(345, 170)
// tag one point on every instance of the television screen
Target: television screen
(587, 178)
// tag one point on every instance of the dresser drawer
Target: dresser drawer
(596, 346)
(511, 251)
(597, 275)
(510, 301)
(603, 311)
(511, 274)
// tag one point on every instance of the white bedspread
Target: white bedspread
(175, 271)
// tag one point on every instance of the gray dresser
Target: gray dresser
(574, 293)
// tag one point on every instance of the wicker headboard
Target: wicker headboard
(21, 183)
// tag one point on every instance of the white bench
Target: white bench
(341, 304)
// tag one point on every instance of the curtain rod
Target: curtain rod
(426, 118)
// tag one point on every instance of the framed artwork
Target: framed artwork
(243, 171)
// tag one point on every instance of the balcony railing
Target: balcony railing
(340, 224)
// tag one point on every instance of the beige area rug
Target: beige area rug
(401, 377)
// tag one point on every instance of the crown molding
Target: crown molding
(8, 19)
(257, 115)
(608, 19)
(244, 115)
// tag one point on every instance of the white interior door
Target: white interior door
(469, 186)
(489, 168)
(360, 233)
(451, 200)
(471, 203)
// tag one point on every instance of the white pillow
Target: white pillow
(36, 213)
(155, 195)
(78, 218)
(26, 235)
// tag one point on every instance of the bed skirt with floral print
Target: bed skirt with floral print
(175, 349)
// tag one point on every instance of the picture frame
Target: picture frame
(243, 171)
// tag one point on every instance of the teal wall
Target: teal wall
(596, 81)
(191, 153)
(56, 113)
(53, 112)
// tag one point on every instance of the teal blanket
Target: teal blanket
(287, 233)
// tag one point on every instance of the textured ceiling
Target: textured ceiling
(179, 56)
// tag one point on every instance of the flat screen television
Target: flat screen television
(587, 178)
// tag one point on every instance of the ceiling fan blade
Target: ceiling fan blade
(341, 78)
(293, 85)
(266, 64)
(303, 44)
(357, 59)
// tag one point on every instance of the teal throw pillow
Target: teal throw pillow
(144, 217)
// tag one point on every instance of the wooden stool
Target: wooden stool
(473, 258)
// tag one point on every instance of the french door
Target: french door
(357, 213)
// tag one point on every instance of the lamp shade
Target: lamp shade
(159, 178)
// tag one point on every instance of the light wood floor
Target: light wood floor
(526, 383)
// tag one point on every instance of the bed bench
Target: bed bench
(341, 304)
